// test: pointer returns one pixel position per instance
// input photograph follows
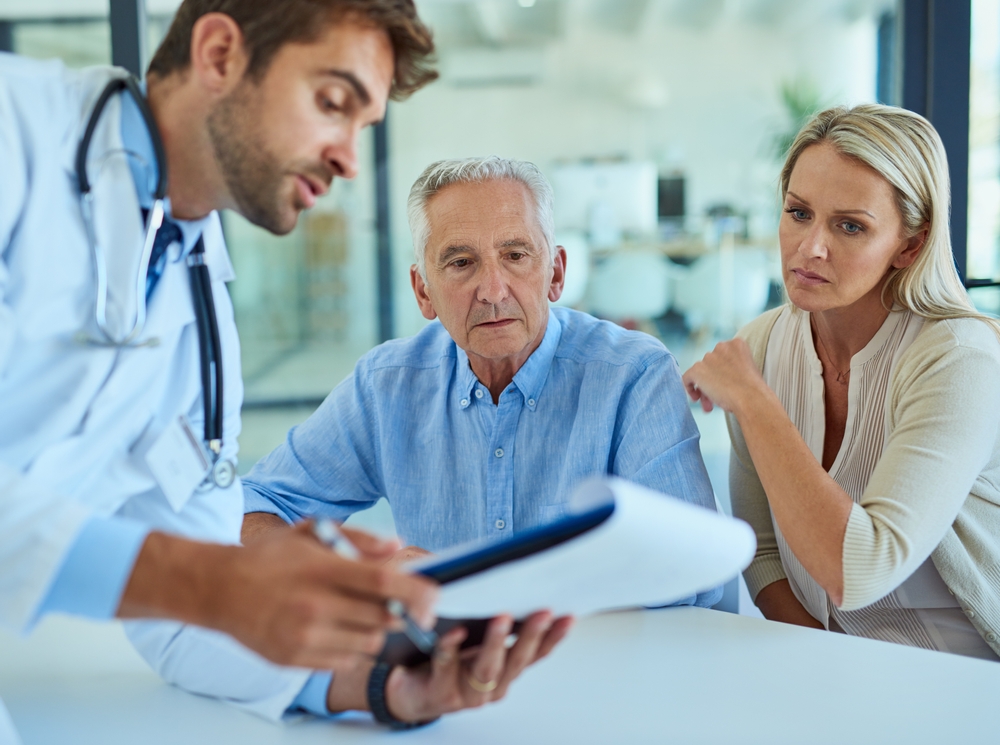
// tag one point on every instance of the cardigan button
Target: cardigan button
(991, 637)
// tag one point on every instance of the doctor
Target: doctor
(119, 361)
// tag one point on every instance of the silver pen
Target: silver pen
(330, 535)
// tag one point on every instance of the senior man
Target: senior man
(481, 425)
(477, 427)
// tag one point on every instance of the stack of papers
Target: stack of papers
(648, 550)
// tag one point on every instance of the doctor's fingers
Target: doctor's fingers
(371, 546)
(418, 594)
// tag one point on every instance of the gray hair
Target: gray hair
(475, 170)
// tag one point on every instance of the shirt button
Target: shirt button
(479, 393)
(531, 402)
(464, 402)
(500, 524)
(498, 452)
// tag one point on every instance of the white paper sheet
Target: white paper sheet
(653, 550)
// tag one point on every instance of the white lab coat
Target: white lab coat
(76, 421)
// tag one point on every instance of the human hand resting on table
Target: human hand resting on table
(455, 679)
(725, 377)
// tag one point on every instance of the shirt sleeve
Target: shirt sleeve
(93, 575)
(944, 420)
(328, 465)
(312, 698)
(658, 444)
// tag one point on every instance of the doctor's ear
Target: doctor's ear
(218, 55)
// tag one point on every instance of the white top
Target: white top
(921, 612)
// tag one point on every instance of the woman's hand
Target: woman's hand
(724, 377)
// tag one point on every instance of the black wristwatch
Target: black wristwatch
(376, 699)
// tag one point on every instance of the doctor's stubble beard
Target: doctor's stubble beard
(253, 174)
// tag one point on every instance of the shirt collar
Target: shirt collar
(530, 379)
(142, 163)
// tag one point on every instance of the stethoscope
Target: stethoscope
(222, 472)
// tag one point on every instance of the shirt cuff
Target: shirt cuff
(92, 577)
(312, 697)
(255, 502)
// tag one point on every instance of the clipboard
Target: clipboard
(465, 561)
(622, 546)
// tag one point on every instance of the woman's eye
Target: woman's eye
(851, 228)
(796, 213)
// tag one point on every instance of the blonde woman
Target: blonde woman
(865, 413)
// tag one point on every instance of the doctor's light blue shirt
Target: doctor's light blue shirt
(414, 424)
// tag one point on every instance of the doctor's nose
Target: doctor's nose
(342, 155)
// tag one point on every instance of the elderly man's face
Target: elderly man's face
(489, 273)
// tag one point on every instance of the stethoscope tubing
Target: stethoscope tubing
(209, 339)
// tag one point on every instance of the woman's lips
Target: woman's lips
(809, 278)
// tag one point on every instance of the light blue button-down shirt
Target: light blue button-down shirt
(413, 424)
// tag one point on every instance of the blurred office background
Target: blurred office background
(661, 124)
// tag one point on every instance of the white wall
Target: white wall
(722, 109)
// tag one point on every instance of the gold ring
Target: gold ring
(481, 687)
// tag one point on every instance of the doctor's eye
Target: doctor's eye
(798, 214)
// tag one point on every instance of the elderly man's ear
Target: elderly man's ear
(558, 275)
(420, 291)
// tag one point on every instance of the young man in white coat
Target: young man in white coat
(259, 106)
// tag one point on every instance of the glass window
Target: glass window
(662, 127)
(984, 153)
(76, 32)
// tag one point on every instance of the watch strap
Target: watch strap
(377, 680)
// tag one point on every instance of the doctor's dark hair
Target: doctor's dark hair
(267, 25)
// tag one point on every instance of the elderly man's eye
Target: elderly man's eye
(460, 263)
(515, 255)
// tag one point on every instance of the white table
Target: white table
(680, 676)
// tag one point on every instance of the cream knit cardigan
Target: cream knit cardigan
(936, 488)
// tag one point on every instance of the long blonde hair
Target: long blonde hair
(905, 149)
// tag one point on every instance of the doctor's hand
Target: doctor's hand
(285, 595)
(456, 679)
(725, 377)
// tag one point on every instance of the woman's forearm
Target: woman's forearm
(809, 507)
